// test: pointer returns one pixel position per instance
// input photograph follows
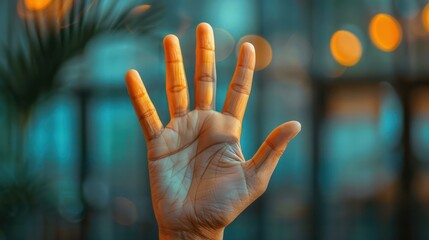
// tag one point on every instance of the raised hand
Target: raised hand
(200, 181)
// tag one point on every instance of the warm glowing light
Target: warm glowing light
(37, 5)
(263, 50)
(346, 48)
(51, 12)
(425, 17)
(140, 9)
(385, 32)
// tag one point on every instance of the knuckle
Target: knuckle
(240, 88)
(173, 61)
(146, 114)
(204, 77)
(246, 67)
(207, 46)
(177, 88)
(138, 96)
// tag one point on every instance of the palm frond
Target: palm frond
(31, 70)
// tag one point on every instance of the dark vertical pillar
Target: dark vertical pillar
(317, 108)
(403, 71)
(83, 97)
(405, 212)
(315, 228)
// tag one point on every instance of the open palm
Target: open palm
(200, 181)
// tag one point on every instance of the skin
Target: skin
(200, 181)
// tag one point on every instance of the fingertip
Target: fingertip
(295, 125)
(172, 49)
(247, 56)
(170, 39)
(247, 46)
(204, 28)
(131, 76)
(205, 36)
(290, 129)
(134, 82)
(131, 73)
(281, 136)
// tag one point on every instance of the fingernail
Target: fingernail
(294, 128)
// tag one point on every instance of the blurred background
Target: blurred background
(354, 73)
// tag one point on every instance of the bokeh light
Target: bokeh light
(70, 208)
(263, 50)
(296, 52)
(425, 17)
(140, 9)
(51, 12)
(224, 44)
(124, 211)
(37, 5)
(96, 193)
(385, 32)
(346, 48)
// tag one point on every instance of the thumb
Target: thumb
(265, 160)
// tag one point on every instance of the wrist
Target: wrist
(191, 235)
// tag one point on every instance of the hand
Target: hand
(199, 179)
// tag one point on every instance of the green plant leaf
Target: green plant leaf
(31, 71)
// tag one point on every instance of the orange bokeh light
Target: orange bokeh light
(263, 50)
(37, 5)
(385, 32)
(346, 48)
(140, 9)
(425, 17)
(45, 12)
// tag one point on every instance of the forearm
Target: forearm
(191, 235)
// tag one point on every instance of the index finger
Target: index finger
(241, 84)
